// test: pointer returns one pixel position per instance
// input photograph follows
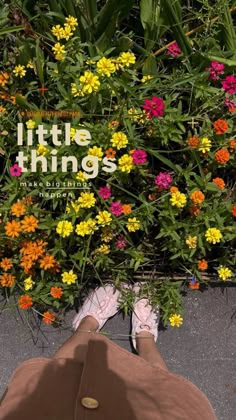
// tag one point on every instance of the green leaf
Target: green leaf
(151, 22)
(161, 158)
(39, 60)
(11, 29)
(172, 13)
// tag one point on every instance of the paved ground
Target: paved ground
(203, 350)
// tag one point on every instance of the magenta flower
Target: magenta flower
(154, 107)
(174, 50)
(139, 157)
(229, 84)
(121, 242)
(116, 208)
(15, 170)
(215, 70)
(163, 180)
(104, 192)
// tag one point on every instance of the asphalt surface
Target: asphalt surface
(203, 350)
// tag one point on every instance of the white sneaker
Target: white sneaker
(144, 318)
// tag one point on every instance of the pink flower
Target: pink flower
(15, 170)
(116, 208)
(104, 192)
(174, 50)
(215, 70)
(154, 107)
(229, 84)
(121, 242)
(139, 157)
(230, 104)
(163, 180)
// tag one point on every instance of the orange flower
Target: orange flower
(113, 124)
(220, 126)
(7, 280)
(234, 211)
(6, 264)
(12, 229)
(197, 197)
(202, 265)
(3, 78)
(152, 197)
(194, 285)
(18, 209)
(48, 317)
(27, 263)
(194, 210)
(47, 261)
(173, 189)
(110, 153)
(232, 145)
(56, 292)
(33, 249)
(27, 200)
(29, 224)
(127, 208)
(25, 302)
(193, 142)
(222, 156)
(219, 182)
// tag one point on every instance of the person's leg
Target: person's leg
(147, 349)
(76, 345)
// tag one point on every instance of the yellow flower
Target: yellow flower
(178, 199)
(76, 91)
(137, 115)
(81, 176)
(90, 83)
(119, 140)
(86, 228)
(30, 124)
(133, 224)
(2, 109)
(104, 218)
(105, 67)
(67, 32)
(72, 22)
(59, 51)
(205, 145)
(86, 200)
(127, 58)
(91, 225)
(104, 249)
(145, 78)
(95, 151)
(28, 283)
(107, 235)
(224, 273)
(191, 241)
(69, 277)
(64, 228)
(72, 133)
(57, 31)
(176, 320)
(213, 235)
(41, 150)
(19, 71)
(126, 163)
(30, 65)
(75, 206)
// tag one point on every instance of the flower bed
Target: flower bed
(141, 174)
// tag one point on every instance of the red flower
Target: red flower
(154, 107)
(234, 211)
(48, 317)
(222, 156)
(220, 126)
